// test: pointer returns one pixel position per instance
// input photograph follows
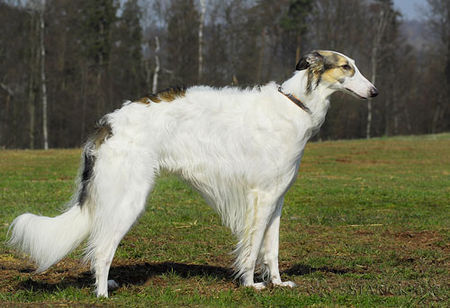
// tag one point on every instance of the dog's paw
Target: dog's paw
(289, 284)
(258, 285)
(112, 285)
(255, 285)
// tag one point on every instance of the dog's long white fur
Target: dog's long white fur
(240, 148)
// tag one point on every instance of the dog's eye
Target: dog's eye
(346, 67)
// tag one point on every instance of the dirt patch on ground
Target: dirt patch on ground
(423, 239)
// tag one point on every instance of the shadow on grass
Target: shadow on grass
(140, 273)
(82, 280)
(301, 269)
(135, 274)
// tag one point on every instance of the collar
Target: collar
(295, 100)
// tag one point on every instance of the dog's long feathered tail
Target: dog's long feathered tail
(48, 239)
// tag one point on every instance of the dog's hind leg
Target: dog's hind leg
(112, 228)
(269, 249)
(121, 191)
(259, 212)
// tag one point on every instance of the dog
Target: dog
(240, 148)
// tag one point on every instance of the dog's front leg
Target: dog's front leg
(259, 212)
(269, 250)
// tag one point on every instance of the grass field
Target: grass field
(366, 224)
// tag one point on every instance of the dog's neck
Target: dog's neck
(317, 100)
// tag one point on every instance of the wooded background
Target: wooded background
(65, 63)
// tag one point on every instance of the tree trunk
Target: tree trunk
(157, 66)
(261, 56)
(43, 77)
(380, 27)
(369, 101)
(31, 121)
(84, 74)
(395, 112)
(200, 39)
(369, 118)
(33, 76)
(9, 96)
(298, 50)
(435, 119)
(387, 116)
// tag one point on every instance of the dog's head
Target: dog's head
(335, 71)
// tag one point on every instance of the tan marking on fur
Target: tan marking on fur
(335, 70)
(332, 75)
(154, 98)
(326, 53)
(166, 95)
(171, 94)
(330, 67)
(102, 133)
(144, 100)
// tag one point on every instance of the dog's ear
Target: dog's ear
(313, 58)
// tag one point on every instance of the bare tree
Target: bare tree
(37, 7)
(9, 96)
(34, 58)
(384, 16)
(439, 23)
(182, 41)
(200, 39)
(157, 66)
(43, 76)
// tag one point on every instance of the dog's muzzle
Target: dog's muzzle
(373, 92)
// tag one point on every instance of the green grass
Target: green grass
(366, 224)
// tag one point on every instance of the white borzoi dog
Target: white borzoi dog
(241, 148)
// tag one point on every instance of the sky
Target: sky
(410, 9)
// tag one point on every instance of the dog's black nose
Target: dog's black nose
(373, 92)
